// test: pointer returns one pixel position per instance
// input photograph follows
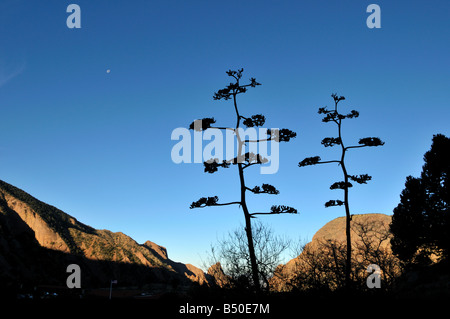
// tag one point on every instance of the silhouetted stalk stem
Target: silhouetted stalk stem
(248, 223)
(336, 117)
(348, 218)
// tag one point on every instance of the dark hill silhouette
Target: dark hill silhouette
(38, 242)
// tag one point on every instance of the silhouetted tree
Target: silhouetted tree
(243, 161)
(408, 221)
(233, 254)
(372, 247)
(319, 266)
(336, 117)
(421, 221)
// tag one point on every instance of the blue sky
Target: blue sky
(97, 145)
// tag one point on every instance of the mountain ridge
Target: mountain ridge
(38, 241)
(50, 228)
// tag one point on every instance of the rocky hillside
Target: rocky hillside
(38, 241)
(370, 238)
(335, 229)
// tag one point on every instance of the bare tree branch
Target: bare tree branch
(223, 128)
(315, 160)
(210, 201)
(278, 209)
(356, 146)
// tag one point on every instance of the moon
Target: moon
(108, 71)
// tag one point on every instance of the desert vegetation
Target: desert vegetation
(405, 253)
(416, 236)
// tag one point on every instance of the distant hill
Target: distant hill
(38, 241)
(365, 229)
(335, 229)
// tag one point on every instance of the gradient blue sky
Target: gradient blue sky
(97, 145)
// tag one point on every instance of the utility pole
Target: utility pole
(110, 287)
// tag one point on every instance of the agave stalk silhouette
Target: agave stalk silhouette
(336, 117)
(243, 162)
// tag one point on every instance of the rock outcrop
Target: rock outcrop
(369, 233)
(220, 278)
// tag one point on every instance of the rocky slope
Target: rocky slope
(369, 233)
(335, 229)
(220, 278)
(38, 241)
